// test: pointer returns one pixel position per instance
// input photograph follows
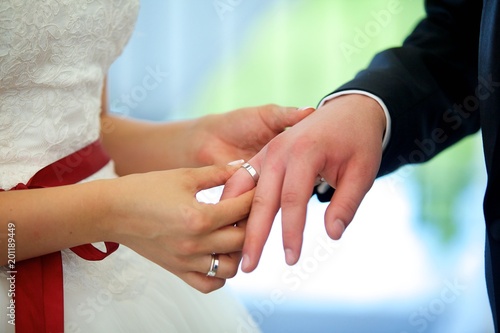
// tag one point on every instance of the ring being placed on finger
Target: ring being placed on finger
(251, 170)
(214, 265)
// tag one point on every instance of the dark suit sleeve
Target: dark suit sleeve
(429, 84)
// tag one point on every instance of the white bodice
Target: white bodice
(54, 55)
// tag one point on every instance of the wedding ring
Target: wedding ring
(251, 171)
(214, 265)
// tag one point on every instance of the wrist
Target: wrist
(120, 208)
(101, 198)
(179, 145)
(367, 107)
(199, 134)
(195, 137)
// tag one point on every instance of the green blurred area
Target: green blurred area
(441, 184)
(296, 53)
(301, 51)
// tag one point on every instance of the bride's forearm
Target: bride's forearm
(42, 221)
(138, 146)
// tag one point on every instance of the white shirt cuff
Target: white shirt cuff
(387, 133)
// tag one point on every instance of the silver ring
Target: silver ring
(214, 265)
(251, 171)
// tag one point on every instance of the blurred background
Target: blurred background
(412, 260)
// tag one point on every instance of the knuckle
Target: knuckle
(289, 199)
(275, 147)
(232, 272)
(275, 152)
(349, 206)
(302, 146)
(231, 267)
(180, 262)
(292, 234)
(258, 200)
(199, 226)
(187, 247)
(189, 172)
(231, 187)
(195, 222)
(295, 148)
(188, 175)
(236, 243)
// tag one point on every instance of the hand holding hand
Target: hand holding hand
(242, 133)
(340, 142)
(157, 215)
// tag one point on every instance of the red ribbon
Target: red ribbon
(39, 295)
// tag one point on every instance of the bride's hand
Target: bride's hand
(157, 215)
(241, 133)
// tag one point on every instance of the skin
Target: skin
(152, 207)
(342, 143)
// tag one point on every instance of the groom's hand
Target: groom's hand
(340, 142)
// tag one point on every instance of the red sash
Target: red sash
(39, 295)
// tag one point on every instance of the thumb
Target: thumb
(212, 176)
(344, 204)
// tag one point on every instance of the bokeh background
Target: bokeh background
(412, 260)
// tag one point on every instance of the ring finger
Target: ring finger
(224, 266)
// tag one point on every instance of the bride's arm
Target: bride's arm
(141, 146)
(162, 223)
(42, 221)
(138, 146)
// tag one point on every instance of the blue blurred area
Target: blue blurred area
(428, 288)
(392, 272)
(446, 293)
(181, 42)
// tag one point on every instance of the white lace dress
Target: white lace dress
(53, 57)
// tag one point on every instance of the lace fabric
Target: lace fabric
(53, 57)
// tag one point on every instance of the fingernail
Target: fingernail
(290, 257)
(339, 227)
(305, 108)
(245, 262)
(237, 162)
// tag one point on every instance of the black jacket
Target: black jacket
(440, 86)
